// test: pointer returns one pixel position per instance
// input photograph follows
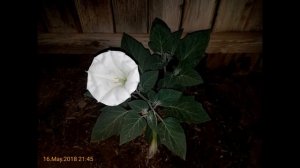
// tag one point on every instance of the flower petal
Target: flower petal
(106, 75)
(123, 62)
(115, 96)
(98, 87)
(103, 65)
(133, 80)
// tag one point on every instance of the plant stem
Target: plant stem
(148, 102)
(143, 97)
(156, 114)
(164, 60)
(154, 134)
(153, 145)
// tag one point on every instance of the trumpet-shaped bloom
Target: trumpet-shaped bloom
(112, 77)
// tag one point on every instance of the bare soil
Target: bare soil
(232, 139)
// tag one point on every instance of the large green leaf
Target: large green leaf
(188, 110)
(148, 80)
(172, 42)
(167, 97)
(132, 127)
(151, 120)
(108, 123)
(181, 78)
(138, 105)
(187, 77)
(151, 95)
(192, 47)
(190, 63)
(172, 136)
(142, 55)
(148, 134)
(154, 62)
(167, 81)
(159, 34)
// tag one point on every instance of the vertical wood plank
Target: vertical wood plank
(237, 15)
(61, 16)
(95, 15)
(198, 14)
(41, 24)
(254, 20)
(130, 15)
(170, 11)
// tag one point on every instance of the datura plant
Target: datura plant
(143, 89)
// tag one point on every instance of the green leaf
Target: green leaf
(108, 123)
(151, 120)
(148, 134)
(159, 34)
(172, 136)
(192, 47)
(167, 81)
(151, 95)
(132, 127)
(140, 54)
(138, 105)
(187, 77)
(148, 80)
(190, 63)
(181, 78)
(154, 62)
(188, 110)
(167, 96)
(172, 42)
(125, 103)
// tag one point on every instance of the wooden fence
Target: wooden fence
(86, 26)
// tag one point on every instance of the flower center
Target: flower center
(121, 80)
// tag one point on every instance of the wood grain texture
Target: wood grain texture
(239, 15)
(255, 17)
(61, 16)
(198, 14)
(41, 24)
(170, 11)
(235, 42)
(90, 43)
(130, 16)
(95, 16)
(240, 63)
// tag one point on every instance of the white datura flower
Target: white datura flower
(112, 77)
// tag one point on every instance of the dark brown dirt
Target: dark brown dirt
(232, 139)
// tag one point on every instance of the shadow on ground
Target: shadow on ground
(232, 139)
